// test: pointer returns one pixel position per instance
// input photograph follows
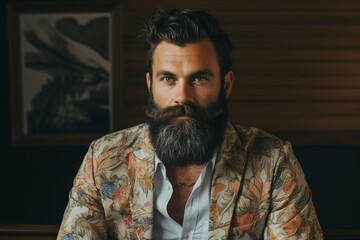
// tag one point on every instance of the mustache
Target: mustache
(187, 109)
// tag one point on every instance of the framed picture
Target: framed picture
(65, 71)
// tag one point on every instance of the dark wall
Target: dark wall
(333, 174)
(35, 181)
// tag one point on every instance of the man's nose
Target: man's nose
(184, 93)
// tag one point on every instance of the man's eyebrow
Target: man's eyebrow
(164, 73)
(204, 71)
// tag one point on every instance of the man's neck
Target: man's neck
(183, 177)
(183, 180)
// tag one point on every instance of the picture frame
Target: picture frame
(65, 71)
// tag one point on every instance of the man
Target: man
(187, 173)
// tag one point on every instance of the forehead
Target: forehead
(191, 55)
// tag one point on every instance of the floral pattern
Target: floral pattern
(258, 190)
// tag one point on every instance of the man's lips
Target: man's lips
(183, 117)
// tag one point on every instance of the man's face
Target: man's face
(186, 74)
(187, 108)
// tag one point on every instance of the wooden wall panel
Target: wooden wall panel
(296, 64)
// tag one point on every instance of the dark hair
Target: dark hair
(187, 26)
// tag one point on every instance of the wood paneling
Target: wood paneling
(28, 232)
(296, 64)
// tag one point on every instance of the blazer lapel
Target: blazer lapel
(142, 170)
(226, 183)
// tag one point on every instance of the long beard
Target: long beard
(184, 142)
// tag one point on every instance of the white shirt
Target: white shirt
(197, 209)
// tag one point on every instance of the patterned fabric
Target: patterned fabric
(258, 190)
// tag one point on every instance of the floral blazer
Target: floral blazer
(258, 190)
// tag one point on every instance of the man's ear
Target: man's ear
(228, 83)
(148, 81)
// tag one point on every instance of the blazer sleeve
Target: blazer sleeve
(84, 215)
(292, 214)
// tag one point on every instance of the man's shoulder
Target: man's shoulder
(122, 138)
(259, 147)
(256, 137)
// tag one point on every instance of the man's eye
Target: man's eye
(200, 80)
(167, 79)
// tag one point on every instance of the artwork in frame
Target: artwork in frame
(65, 69)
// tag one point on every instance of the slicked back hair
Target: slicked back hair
(182, 26)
